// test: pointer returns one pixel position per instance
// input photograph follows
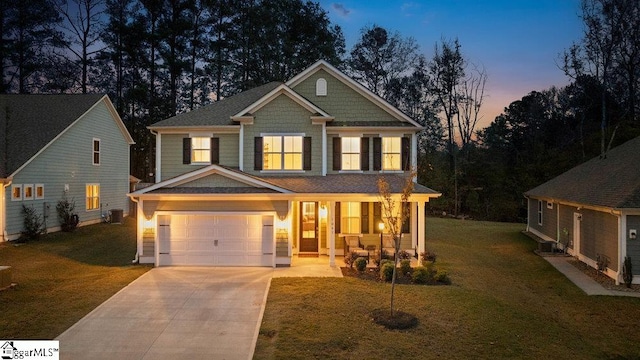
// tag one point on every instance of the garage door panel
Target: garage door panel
(191, 240)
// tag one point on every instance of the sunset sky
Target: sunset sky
(519, 42)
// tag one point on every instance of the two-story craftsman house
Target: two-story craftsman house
(281, 170)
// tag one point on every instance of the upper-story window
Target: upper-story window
(540, 212)
(321, 87)
(96, 151)
(282, 152)
(28, 192)
(16, 192)
(350, 153)
(391, 153)
(200, 150)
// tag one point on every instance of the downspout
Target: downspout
(136, 258)
(528, 215)
(158, 172)
(3, 212)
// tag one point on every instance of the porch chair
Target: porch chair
(352, 244)
(388, 246)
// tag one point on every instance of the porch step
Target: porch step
(308, 255)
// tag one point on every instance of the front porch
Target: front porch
(319, 228)
(319, 267)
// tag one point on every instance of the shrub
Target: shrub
(350, 259)
(404, 255)
(361, 264)
(66, 214)
(385, 256)
(405, 267)
(32, 222)
(428, 255)
(421, 275)
(386, 271)
(442, 277)
(627, 274)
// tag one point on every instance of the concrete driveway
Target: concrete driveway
(175, 313)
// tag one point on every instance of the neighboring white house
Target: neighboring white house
(57, 146)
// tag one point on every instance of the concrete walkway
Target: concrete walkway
(175, 313)
(583, 281)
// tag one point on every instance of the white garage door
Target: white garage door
(215, 240)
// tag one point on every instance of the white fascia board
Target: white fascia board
(220, 129)
(208, 170)
(321, 64)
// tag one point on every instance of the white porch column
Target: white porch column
(421, 226)
(140, 218)
(414, 225)
(331, 233)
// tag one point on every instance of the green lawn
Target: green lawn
(505, 302)
(63, 276)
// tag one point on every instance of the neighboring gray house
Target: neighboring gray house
(593, 210)
(278, 171)
(56, 146)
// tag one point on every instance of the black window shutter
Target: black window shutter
(257, 153)
(215, 150)
(364, 154)
(186, 150)
(306, 153)
(337, 153)
(337, 217)
(377, 216)
(364, 217)
(406, 153)
(377, 153)
(406, 227)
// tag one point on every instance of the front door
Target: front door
(308, 226)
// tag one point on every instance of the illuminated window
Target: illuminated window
(350, 153)
(350, 217)
(16, 192)
(282, 152)
(200, 150)
(96, 151)
(28, 192)
(39, 191)
(93, 196)
(391, 153)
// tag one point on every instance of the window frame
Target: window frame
(385, 152)
(540, 212)
(282, 154)
(355, 151)
(321, 87)
(95, 199)
(15, 187)
(203, 150)
(35, 194)
(27, 188)
(96, 155)
(348, 210)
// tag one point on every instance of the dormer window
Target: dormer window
(321, 87)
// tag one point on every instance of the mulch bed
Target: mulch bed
(604, 280)
(373, 274)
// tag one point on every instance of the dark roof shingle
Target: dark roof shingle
(29, 122)
(219, 112)
(610, 182)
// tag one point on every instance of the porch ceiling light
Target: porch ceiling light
(381, 226)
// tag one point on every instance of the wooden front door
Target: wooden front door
(308, 226)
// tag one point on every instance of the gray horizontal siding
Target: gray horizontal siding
(68, 160)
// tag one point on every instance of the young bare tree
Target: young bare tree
(394, 215)
(470, 104)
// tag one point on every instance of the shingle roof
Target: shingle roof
(343, 184)
(220, 112)
(29, 122)
(611, 182)
(212, 190)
